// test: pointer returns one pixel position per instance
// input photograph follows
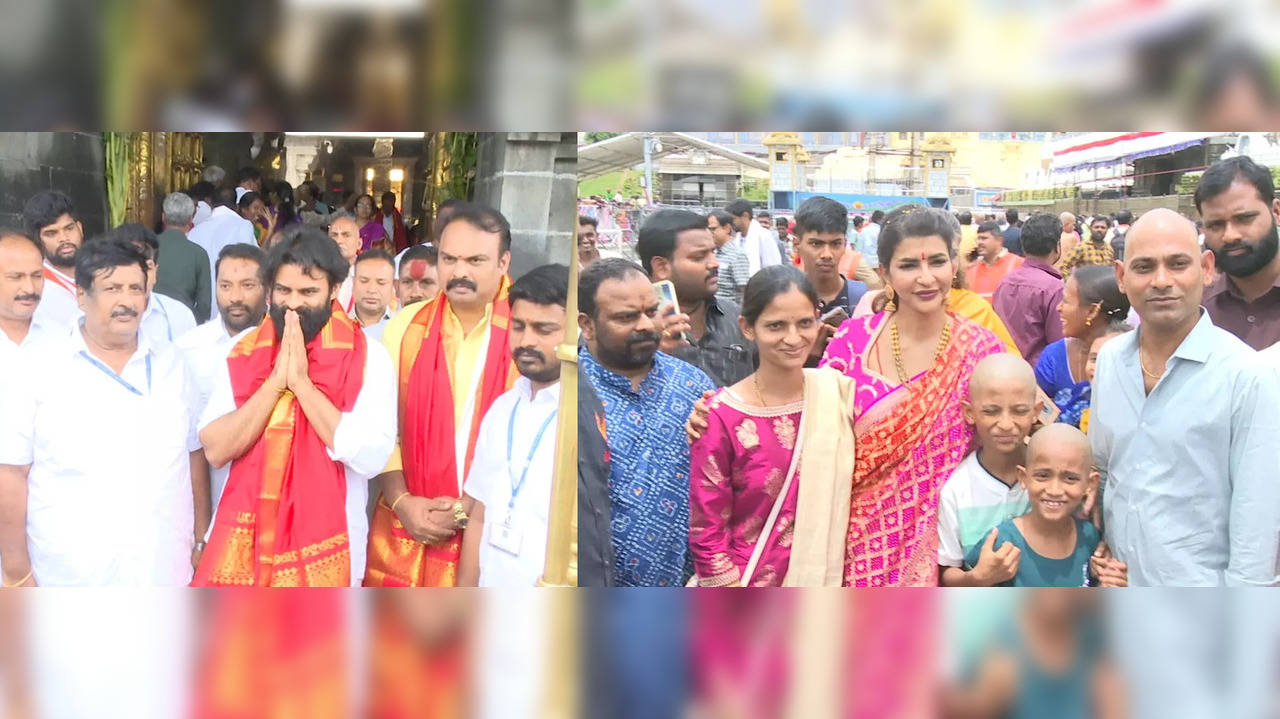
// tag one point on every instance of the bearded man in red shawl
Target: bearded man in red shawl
(305, 415)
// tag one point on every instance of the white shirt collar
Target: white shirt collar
(78, 344)
(546, 394)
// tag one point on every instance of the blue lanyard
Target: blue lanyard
(511, 431)
(96, 363)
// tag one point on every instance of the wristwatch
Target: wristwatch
(199, 546)
(460, 517)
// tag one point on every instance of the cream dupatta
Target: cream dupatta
(826, 481)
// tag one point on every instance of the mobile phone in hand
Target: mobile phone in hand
(667, 303)
(835, 317)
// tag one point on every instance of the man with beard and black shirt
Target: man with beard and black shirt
(676, 245)
(646, 396)
(304, 410)
(50, 218)
(1237, 201)
(242, 303)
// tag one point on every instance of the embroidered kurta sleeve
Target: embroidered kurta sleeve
(366, 435)
(711, 505)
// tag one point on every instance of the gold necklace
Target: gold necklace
(755, 381)
(896, 341)
(1143, 365)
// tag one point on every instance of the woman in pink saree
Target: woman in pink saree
(768, 496)
(911, 364)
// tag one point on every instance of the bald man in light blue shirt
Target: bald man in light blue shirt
(1185, 427)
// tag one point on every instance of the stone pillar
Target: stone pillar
(531, 178)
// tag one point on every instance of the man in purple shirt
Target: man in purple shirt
(1027, 298)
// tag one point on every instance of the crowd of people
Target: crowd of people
(264, 394)
(925, 401)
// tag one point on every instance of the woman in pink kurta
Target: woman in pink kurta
(739, 467)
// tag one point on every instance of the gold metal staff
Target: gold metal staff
(560, 685)
(561, 568)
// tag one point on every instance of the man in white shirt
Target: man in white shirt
(242, 303)
(1183, 427)
(224, 227)
(346, 232)
(374, 292)
(757, 243)
(165, 319)
(21, 282)
(508, 490)
(51, 219)
(96, 445)
(248, 179)
(305, 410)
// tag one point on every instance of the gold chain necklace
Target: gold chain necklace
(755, 381)
(896, 341)
(1143, 365)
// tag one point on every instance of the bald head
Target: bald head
(1002, 371)
(1063, 442)
(1068, 220)
(1161, 224)
(346, 232)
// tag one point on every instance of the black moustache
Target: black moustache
(124, 312)
(643, 337)
(33, 298)
(461, 282)
(524, 352)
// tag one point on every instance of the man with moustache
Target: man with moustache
(1183, 427)
(303, 410)
(21, 282)
(646, 395)
(453, 359)
(51, 219)
(1236, 200)
(165, 318)
(242, 303)
(96, 444)
(508, 490)
(1093, 250)
(676, 245)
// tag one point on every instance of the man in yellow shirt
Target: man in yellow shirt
(452, 359)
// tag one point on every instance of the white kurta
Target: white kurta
(205, 350)
(496, 472)
(362, 441)
(109, 490)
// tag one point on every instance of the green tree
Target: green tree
(598, 136)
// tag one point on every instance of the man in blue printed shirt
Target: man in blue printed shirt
(646, 395)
